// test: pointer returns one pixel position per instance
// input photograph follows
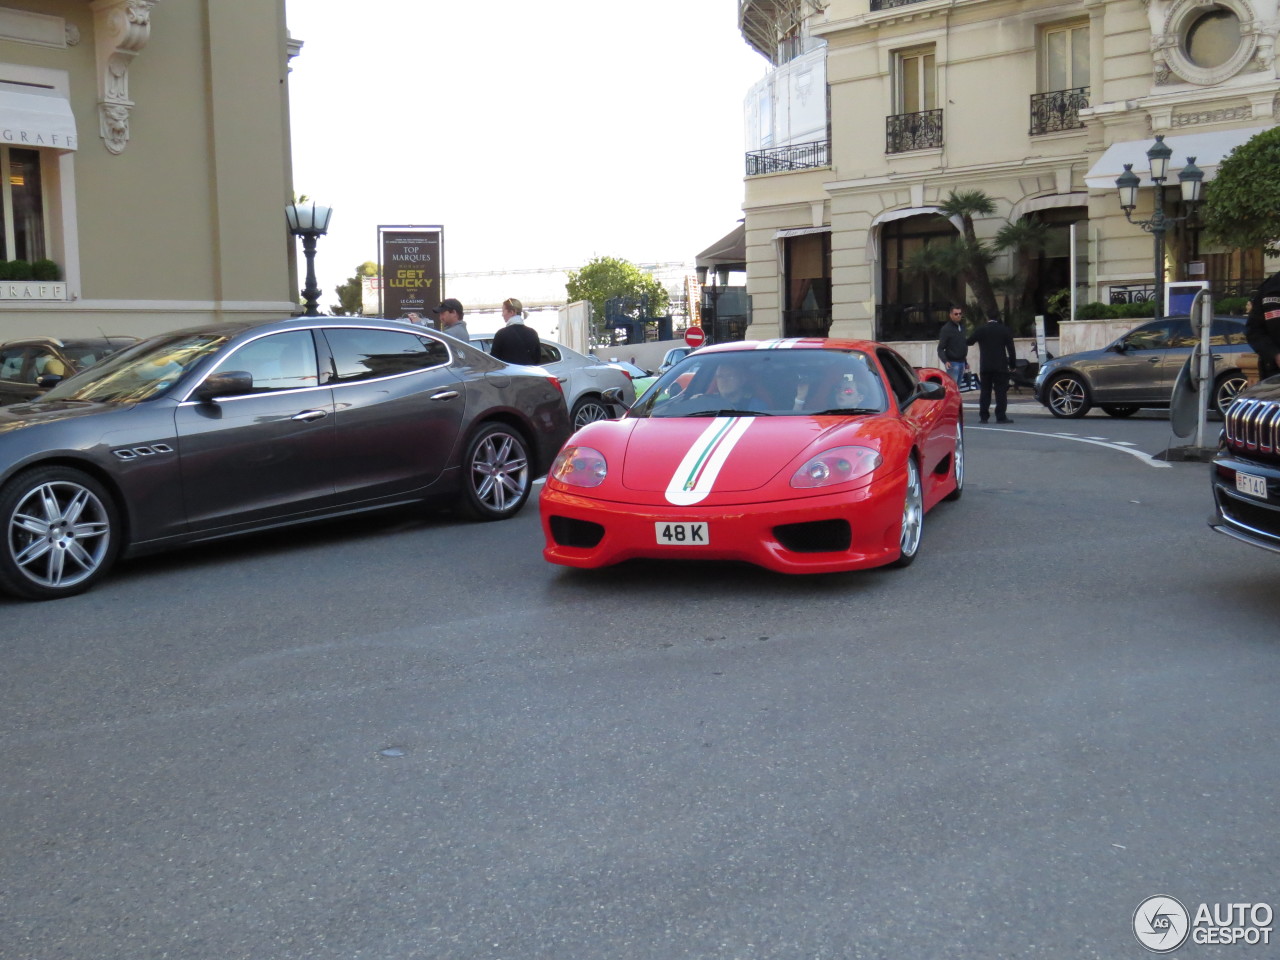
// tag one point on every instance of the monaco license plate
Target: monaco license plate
(1253, 486)
(682, 534)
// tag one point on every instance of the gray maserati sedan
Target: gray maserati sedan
(227, 429)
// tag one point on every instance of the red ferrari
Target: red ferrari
(802, 456)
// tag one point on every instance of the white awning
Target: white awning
(888, 216)
(1208, 148)
(35, 116)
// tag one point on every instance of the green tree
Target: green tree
(351, 294)
(1241, 207)
(604, 278)
(1026, 239)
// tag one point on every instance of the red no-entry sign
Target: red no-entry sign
(694, 337)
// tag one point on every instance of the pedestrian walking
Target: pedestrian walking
(449, 314)
(953, 350)
(996, 358)
(517, 342)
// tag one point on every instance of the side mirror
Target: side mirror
(929, 390)
(47, 380)
(227, 383)
(613, 396)
(1119, 346)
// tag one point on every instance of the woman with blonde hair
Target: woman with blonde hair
(516, 342)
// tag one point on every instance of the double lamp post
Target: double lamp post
(1190, 179)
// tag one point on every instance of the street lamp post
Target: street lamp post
(1190, 179)
(309, 220)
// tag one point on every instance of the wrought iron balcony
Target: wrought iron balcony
(913, 131)
(795, 156)
(1058, 110)
(890, 4)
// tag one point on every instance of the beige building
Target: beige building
(144, 149)
(1038, 104)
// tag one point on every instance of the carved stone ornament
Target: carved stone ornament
(73, 35)
(121, 29)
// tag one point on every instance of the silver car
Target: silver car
(584, 380)
(1138, 370)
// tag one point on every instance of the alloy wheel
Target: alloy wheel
(60, 535)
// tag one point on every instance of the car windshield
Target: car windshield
(796, 382)
(140, 372)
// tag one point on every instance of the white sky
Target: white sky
(539, 134)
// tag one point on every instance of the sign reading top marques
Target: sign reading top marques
(412, 269)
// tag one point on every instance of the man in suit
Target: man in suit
(995, 360)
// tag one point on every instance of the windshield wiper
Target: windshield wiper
(843, 411)
(728, 413)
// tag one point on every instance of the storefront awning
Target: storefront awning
(729, 249)
(35, 116)
(1208, 148)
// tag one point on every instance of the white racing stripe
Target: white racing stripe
(1145, 458)
(697, 472)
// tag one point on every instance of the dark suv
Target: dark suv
(1246, 473)
(1138, 369)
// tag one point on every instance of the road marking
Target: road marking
(1144, 457)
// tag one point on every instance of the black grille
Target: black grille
(1257, 517)
(1252, 426)
(818, 536)
(576, 533)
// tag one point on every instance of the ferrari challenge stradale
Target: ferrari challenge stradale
(798, 455)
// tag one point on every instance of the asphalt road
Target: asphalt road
(412, 738)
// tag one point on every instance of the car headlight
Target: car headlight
(838, 465)
(580, 467)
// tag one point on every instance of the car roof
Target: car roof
(793, 343)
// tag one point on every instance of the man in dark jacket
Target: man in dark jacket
(995, 360)
(1262, 328)
(952, 349)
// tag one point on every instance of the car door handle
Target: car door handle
(563, 379)
(308, 415)
(444, 395)
(1153, 359)
(1216, 356)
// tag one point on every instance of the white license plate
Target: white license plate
(1253, 486)
(682, 534)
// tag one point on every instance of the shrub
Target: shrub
(1126, 311)
(1232, 306)
(1094, 311)
(45, 270)
(19, 270)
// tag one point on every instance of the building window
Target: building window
(916, 81)
(1213, 37)
(22, 200)
(1064, 57)
(917, 123)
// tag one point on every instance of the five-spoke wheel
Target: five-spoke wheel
(1068, 396)
(912, 516)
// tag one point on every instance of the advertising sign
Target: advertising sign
(412, 269)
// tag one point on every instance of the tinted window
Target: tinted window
(549, 354)
(902, 379)
(1226, 333)
(1150, 336)
(11, 363)
(282, 361)
(367, 354)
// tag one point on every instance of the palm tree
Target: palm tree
(973, 253)
(1027, 238)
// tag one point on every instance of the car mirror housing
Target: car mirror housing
(930, 390)
(47, 380)
(613, 395)
(225, 384)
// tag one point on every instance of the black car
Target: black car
(1246, 473)
(29, 366)
(221, 430)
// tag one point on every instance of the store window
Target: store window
(22, 199)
